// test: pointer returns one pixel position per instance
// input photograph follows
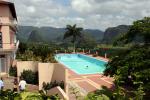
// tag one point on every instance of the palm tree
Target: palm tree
(74, 32)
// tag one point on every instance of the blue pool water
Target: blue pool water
(81, 64)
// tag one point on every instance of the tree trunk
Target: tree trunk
(74, 47)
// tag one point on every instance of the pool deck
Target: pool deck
(90, 82)
(86, 83)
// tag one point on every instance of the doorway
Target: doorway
(2, 65)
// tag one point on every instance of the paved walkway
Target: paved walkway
(89, 82)
(8, 83)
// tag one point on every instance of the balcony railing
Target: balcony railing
(9, 46)
(11, 22)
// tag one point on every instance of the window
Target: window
(0, 39)
(2, 65)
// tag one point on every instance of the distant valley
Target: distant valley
(51, 34)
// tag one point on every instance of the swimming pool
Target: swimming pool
(81, 64)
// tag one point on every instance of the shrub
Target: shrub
(111, 52)
(46, 97)
(93, 96)
(95, 55)
(30, 77)
(37, 52)
(13, 71)
(50, 58)
(10, 95)
(47, 86)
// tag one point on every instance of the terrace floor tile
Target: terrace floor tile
(86, 86)
(101, 82)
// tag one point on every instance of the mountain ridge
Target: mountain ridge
(112, 33)
(52, 34)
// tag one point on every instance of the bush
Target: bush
(50, 58)
(95, 55)
(46, 97)
(13, 71)
(37, 52)
(47, 86)
(30, 77)
(111, 52)
(10, 95)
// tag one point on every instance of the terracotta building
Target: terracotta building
(8, 29)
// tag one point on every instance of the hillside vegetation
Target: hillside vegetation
(50, 34)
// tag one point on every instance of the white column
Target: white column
(105, 55)
(83, 50)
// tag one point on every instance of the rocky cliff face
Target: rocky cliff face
(113, 32)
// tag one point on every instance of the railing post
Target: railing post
(89, 51)
(96, 53)
(55, 51)
(83, 50)
(105, 55)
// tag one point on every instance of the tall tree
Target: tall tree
(133, 66)
(74, 32)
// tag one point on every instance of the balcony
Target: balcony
(13, 24)
(8, 22)
(9, 46)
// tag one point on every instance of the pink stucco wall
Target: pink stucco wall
(4, 9)
(26, 65)
(49, 72)
(6, 20)
(60, 74)
(8, 30)
(45, 73)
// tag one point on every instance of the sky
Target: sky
(93, 14)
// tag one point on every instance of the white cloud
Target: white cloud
(82, 5)
(31, 9)
(146, 13)
(98, 14)
(112, 12)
